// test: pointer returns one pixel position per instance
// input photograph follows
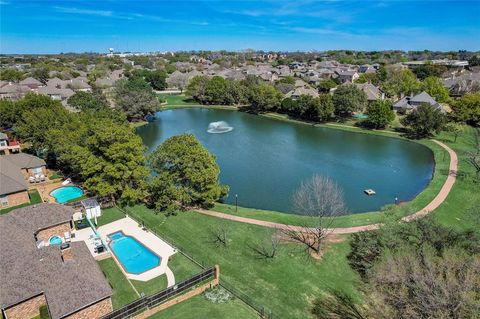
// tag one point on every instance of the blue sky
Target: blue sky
(45, 26)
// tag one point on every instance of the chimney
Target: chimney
(67, 253)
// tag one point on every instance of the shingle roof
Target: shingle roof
(11, 177)
(24, 160)
(30, 81)
(26, 271)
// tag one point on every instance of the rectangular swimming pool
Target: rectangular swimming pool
(132, 254)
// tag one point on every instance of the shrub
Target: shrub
(218, 294)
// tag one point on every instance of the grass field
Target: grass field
(34, 199)
(285, 285)
(200, 308)
(123, 292)
(109, 215)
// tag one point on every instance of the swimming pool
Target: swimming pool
(132, 254)
(55, 240)
(66, 193)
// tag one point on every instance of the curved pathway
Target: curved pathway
(439, 199)
(170, 277)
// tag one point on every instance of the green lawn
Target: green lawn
(123, 293)
(34, 199)
(286, 285)
(199, 307)
(152, 286)
(55, 175)
(182, 267)
(109, 215)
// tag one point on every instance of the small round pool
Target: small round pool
(66, 193)
(55, 240)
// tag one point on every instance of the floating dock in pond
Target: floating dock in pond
(369, 192)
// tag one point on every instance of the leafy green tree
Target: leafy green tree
(326, 85)
(186, 175)
(135, 97)
(454, 128)
(434, 86)
(380, 114)
(467, 109)
(157, 79)
(368, 78)
(10, 114)
(235, 93)
(424, 121)
(196, 88)
(107, 155)
(287, 80)
(348, 99)
(41, 74)
(34, 124)
(215, 90)
(264, 97)
(12, 75)
(84, 101)
(401, 82)
(428, 70)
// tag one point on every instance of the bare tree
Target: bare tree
(267, 248)
(219, 234)
(321, 200)
(178, 80)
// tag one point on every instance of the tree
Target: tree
(157, 79)
(326, 85)
(196, 88)
(215, 90)
(178, 80)
(107, 155)
(368, 78)
(12, 75)
(186, 173)
(322, 200)
(266, 248)
(380, 114)
(454, 128)
(424, 121)
(264, 97)
(422, 284)
(467, 109)
(84, 101)
(348, 99)
(434, 86)
(401, 82)
(219, 234)
(338, 304)
(427, 70)
(41, 74)
(10, 114)
(135, 97)
(287, 80)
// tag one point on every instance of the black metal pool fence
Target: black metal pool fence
(156, 299)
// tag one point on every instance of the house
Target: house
(56, 93)
(32, 83)
(410, 103)
(78, 84)
(28, 165)
(8, 146)
(367, 69)
(297, 92)
(35, 272)
(13, 186)
(373, 93)
(347, 76)
(13, 91)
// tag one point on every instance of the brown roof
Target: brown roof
(12, 180)
(24, 160)
(27, 271)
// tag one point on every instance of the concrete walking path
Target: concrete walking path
(437, 201)
(170, 277)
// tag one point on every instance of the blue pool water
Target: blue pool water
(133, 255)
(66, 193)
(55, 240)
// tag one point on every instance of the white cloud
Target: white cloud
(72, 10)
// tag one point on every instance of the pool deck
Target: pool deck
(131, 228)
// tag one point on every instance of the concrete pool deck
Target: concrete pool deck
(131, 228)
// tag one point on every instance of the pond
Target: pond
(264, 160)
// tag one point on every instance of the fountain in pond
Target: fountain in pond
(219, 127)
